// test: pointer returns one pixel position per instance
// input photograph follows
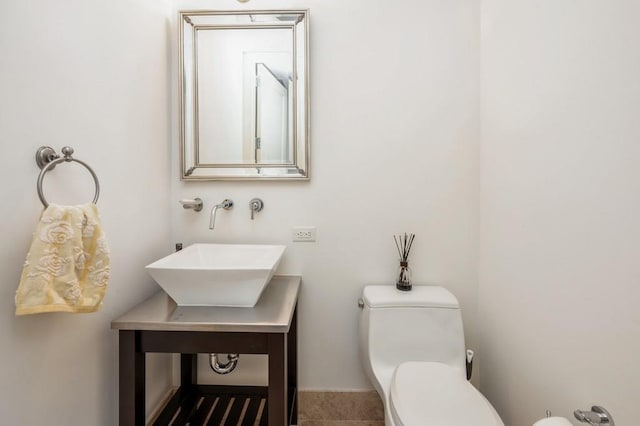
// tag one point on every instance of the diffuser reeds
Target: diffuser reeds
(404, 243)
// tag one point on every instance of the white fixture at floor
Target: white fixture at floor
(217, 274)
(412, 347)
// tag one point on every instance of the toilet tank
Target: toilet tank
(424, 324)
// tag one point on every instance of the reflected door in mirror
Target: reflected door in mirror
(244, 95)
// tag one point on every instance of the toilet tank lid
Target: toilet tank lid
(388, 296)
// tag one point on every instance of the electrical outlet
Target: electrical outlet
(304, 233)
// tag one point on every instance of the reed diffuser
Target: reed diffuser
(404, 243)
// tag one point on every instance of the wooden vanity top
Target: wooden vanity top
(272, 313)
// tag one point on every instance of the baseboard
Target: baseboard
(155, 412)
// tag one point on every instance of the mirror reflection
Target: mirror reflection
(244, 106)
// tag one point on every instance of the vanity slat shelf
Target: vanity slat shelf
(211, 404)
(159, 325)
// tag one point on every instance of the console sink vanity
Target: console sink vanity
(160, 325)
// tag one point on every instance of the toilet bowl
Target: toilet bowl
(412, 349)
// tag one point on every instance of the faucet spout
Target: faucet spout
(212, 219)
(226, 204)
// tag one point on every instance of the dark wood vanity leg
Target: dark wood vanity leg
(277, 393)
(188, 369)
(292, 367)
(132, 379)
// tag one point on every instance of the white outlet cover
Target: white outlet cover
(303, 233)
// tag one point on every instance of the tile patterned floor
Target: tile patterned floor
(341, 423)
(340, 409)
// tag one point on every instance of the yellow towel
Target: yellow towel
(67, 268)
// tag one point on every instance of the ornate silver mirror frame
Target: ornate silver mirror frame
(244, 95)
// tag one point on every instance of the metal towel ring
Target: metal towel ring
(47, 159)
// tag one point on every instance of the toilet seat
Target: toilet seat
(432, 393)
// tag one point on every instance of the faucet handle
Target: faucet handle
(256, 205)
(195, 204)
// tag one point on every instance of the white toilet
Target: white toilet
(412, 346)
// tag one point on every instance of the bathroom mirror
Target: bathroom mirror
(244, 107)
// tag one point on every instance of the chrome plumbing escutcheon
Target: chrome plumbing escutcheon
(597, 416)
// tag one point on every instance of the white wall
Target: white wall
(560, 195)
(394, 129)
(93, 75)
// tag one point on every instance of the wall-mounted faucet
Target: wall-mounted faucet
(256, 205)
(226, 204)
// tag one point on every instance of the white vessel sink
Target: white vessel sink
(217, 274)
